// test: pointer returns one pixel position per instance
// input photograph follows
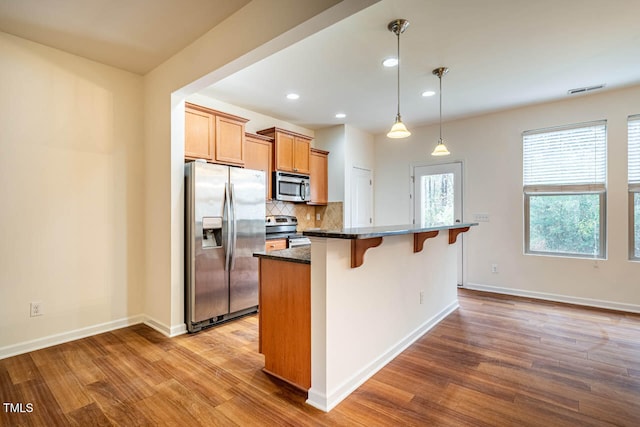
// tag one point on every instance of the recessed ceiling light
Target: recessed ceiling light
(390, 62)
(428, 93)
(341, 116)
(293, 96)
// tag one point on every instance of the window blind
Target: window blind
(571, 155)
(634, 151)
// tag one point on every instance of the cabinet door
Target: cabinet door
(301, 148)
(199, 134)
(284, 152)
(258, 155)
(319, 178)
(229, 141)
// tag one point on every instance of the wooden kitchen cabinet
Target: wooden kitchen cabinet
(318, 177)
(291, 150)
(199, 135)
(213, 135)
(275, 244)
(259, 156)
(284, 325)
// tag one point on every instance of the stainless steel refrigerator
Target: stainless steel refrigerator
(225, 225)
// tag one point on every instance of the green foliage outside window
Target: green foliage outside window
(437, 193)
(567, 224)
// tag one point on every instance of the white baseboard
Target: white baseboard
(610, 305)
(169, 331)
(51, 340)
(61, 338)
(328, 402)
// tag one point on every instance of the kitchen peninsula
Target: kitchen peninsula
(360, 298)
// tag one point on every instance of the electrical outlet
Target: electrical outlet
(494, 268)
(36, 309)
(421, 297)
(308, 216)
(481, 217)
(318, 217)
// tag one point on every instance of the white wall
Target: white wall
(259, 29)
(359, 152)
(349, 147)
(490, 149)
(361, 318)
(71, 221)
(332, 139)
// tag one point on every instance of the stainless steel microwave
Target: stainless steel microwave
(291, 187)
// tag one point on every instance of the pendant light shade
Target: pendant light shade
(441, 149)
(398, 130)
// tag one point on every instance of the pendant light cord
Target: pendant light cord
(440, 77)
(398, 34)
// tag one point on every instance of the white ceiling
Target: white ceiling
(501, 53)
(134, 35)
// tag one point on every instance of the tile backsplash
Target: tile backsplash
(330, 215)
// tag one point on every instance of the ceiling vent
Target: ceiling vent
(585, 89)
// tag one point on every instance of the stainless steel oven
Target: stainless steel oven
(291, 187)
(285, 227)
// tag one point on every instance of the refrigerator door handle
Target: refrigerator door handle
(227, 205)
(235, 227)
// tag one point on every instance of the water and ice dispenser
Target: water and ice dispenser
(212, 232)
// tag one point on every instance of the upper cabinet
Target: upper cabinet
(319, 177)
(213, 135)
(259, 156)
(291, 150)
(199, 135)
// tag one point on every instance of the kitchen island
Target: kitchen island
(371, 293)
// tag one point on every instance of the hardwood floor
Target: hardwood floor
(497, 361)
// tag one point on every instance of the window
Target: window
(437, 196)
(633, 126)
(564, 188)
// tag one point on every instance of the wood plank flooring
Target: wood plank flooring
(497, 361)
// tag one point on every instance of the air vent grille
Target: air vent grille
(585, 89)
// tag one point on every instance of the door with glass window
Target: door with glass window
(437, 197)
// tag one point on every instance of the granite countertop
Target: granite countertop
(381, 231)
(300, 254)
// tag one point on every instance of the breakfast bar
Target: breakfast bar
(371, 293)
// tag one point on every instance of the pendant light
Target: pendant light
(441, 149)
(398, 130)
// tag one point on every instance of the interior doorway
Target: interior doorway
(437, 196)
(361, 197)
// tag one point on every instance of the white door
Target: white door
(437, 191)
(361, 198)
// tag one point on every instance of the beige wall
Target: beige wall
(490, 148)
(71, 169)
(91, 161)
